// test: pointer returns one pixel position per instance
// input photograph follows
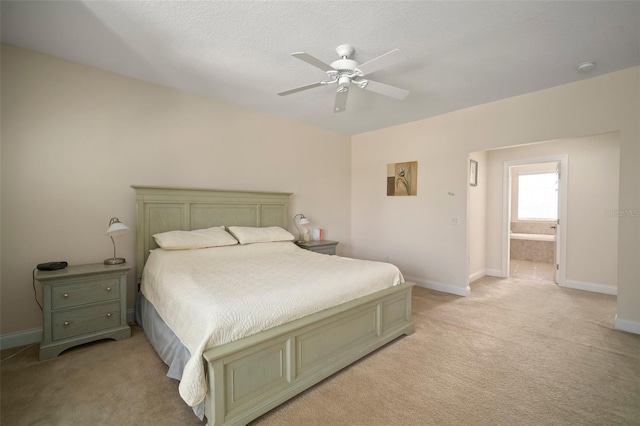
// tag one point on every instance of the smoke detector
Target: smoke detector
(586, 66)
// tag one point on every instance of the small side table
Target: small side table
(81, 304)
(323, 246)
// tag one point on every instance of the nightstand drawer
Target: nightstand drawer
(87, 291)
(325, 250)
(322, 246)
(85, 320)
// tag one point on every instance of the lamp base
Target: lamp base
(114, 261)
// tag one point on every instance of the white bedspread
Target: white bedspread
(213, 296)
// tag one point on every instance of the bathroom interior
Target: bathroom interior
(534, 214)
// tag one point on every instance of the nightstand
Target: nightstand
(81, 304)
(323, 246)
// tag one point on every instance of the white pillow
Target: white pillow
(198, 238)
(250, 234)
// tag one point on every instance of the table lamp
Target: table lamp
(115, 228)
(302, 221)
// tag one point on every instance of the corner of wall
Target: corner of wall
(626, 325)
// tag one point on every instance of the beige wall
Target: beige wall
(592, 195)
(477, 214)
(416, 232)
(75, 138)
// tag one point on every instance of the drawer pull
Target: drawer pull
(66, 295)
(109, 315)
(108, 288)
(66, 323)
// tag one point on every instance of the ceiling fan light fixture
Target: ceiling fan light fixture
(344, 80)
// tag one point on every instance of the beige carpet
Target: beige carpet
(515, 352)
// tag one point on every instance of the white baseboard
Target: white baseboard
(27, 337)
(445, 288)
(628, 326)
(592, 287)
(20, 338)
(494, 273)
(477, 275)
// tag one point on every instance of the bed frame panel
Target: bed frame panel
(251, 376)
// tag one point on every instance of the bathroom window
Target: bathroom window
(538, 196)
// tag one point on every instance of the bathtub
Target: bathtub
(532, 247)
(532, 237)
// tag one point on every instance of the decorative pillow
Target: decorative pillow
(250, 234)
(196, 239)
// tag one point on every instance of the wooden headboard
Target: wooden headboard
(161, 209)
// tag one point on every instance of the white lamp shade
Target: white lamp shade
(303, 221)
(117, 228)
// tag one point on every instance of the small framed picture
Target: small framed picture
(473, 173)
(402, 178)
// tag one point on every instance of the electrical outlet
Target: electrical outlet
(455, 220)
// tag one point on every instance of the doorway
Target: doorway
(588, 232)
(534, 199)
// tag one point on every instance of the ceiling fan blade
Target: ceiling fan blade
(385, 89)
(386, 60)
(300, 89)
(341, 99)
(313, 61)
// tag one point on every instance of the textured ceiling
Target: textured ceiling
(460, 53)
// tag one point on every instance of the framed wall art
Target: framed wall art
(402, 178)
(473, 173)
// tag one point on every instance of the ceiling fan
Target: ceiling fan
(345, 71)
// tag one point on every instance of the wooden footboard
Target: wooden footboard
(251, 376)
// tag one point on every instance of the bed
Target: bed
(249, 376)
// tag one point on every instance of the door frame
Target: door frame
(561, 242)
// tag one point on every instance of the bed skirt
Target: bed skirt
(165, 342)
